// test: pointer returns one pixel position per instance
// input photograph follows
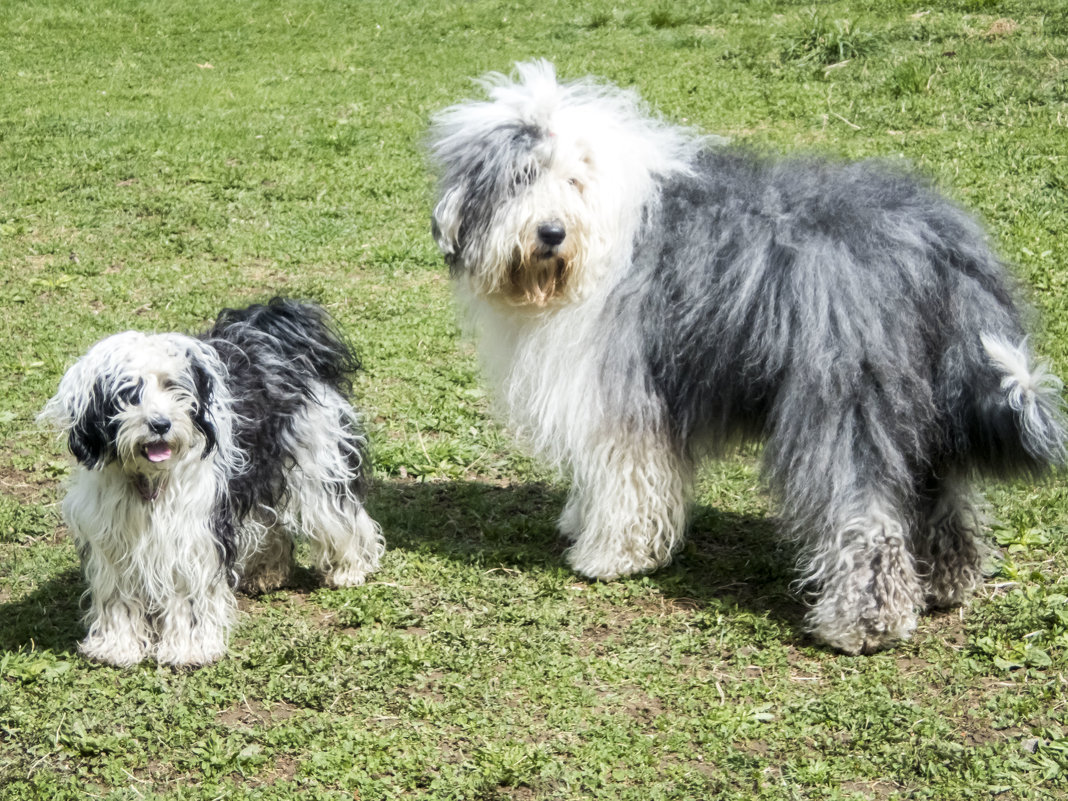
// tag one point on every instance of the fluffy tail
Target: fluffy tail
(1024, 414)
(303, 334)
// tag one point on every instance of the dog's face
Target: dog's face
(512, 215)
(542, 187)
(143, 402)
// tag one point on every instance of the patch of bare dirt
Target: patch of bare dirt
(875, 789)
(252, 713)
(26, 487)
(1002, 28)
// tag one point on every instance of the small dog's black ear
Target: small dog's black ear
(92, 435)
(204, 392)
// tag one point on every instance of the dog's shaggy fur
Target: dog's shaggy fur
(198, 459)
(646, 297)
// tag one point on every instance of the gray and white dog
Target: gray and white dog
(646, 297)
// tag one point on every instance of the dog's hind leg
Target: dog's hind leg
(627, 510)
(346, 543)
(327, 503)
(270, 564)
(847, 494)
(869, 592)
(949, 543)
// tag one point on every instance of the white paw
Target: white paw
(345, 576)
(118, 651)
(198, 648)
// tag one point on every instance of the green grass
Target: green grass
(160, 160)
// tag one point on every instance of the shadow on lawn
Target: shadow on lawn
(728, 559)
(49, 618)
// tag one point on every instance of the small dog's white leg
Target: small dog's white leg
(195, 630)
(119, 633)
(118, 628)
(346, 544)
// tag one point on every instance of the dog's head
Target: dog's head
(142, 402)
(542, 187)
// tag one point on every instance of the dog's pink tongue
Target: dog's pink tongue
(158, 452)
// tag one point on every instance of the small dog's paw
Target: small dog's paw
(345, 576)
(120, 652)
(192, 652)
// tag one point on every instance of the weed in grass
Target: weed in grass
(667, 16)
(24, 522)
(822, 41)
(910, 78)
(599, 19)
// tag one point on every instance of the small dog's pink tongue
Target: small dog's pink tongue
(158, 452)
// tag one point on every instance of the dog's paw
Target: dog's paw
(345, 576)
(610, 566)
(861, 626)
(192, 651)
(117, 651)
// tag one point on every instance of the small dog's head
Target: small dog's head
(542, 187)
(142, 402)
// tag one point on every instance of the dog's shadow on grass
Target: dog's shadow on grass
(48, 618)
(729, 560)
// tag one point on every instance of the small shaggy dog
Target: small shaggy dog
(198, 460)
(646, 297)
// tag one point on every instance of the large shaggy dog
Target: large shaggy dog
(646, 297)
(198, 460)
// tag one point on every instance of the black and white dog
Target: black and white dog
(198, 459)
(645, 297)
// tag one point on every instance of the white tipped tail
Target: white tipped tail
(1034, 396)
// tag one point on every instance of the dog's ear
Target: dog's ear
(445, 224)
(92, 394)
(91, 433)
(204, 389)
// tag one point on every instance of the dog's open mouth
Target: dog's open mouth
(149, 486)
(157, 451)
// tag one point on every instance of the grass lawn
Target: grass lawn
(160, 160)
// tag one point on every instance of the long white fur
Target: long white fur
(152, 568)
(543, 357)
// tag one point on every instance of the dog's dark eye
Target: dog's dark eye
(575, 182)
(131, 395)
(524, 177)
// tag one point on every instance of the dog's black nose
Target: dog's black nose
(159, 425)
(551, 233)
